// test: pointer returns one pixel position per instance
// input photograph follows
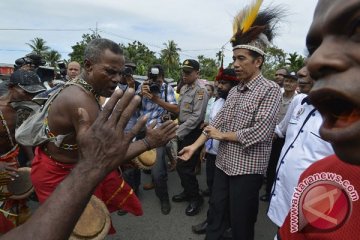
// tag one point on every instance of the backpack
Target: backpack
(32, 132)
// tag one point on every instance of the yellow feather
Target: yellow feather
(250, 16)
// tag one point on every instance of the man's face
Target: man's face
(189, 75)
(279, 76)
(305, 82)
(224, 88)
(245, 66)
(333, 42)
(290, 85)
(105, 75)
(73, 70)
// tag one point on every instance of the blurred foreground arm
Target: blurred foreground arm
(102, 146)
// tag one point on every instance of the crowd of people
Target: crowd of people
(298, 131)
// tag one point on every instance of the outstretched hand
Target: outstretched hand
(186, 153)
(103, 144)
(160, 136)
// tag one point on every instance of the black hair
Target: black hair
(256, 55)
(96, 48)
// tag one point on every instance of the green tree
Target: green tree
(139, 54)
(208, 68)
(78, 49)
(170, 59)
(295, 62)
(275, 58)
(52, 57)
(38, 46)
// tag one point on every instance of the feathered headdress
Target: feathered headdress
(254, 30)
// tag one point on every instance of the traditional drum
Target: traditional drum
(21, 187)
(146, 160)
(94, 223)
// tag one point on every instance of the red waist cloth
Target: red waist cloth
(8, 222)
(46, 174)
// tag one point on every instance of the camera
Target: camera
(32, 59)
(127, 72)
(153, 76)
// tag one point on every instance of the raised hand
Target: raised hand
(160, 136)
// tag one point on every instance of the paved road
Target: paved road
(175, 226)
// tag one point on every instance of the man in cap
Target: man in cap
(22, 87)
(326, 203)
(226, 79)
(158, 100)
(244, 127)
(193, 101)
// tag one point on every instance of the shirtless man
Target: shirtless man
(54, 160)
(22, 87)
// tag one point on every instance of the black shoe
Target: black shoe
(194, 207)
(180, 197)
(200, 228)
(205, 193)
(165, 206)
(265, 198)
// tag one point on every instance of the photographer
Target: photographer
(158, 101)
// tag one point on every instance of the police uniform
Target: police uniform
(193, 102)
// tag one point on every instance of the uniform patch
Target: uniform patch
(200, 94)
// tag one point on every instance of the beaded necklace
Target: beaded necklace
(3, 122)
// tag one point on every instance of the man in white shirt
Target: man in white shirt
(303, 146)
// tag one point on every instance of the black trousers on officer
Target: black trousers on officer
(234, 199)
(186, 169)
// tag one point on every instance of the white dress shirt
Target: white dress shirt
(212, 145)
(303, 146)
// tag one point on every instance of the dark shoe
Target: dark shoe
(227, 234)
(194, 207)
(265, 198)
(205, 193)
(148, 186)
(165, 206)
(200, 228)
(180, 197)
(121, 212)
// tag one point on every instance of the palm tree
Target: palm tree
(170, 55)
(38, 46)
(52, 57)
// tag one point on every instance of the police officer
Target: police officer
(193, 101)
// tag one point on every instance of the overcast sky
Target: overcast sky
(199, 27)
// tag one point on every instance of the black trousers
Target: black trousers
(186, 169)
(277, 145)
(210, 170)
(234, 200)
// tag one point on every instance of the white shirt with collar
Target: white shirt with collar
(303, 146)
(212, 145)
